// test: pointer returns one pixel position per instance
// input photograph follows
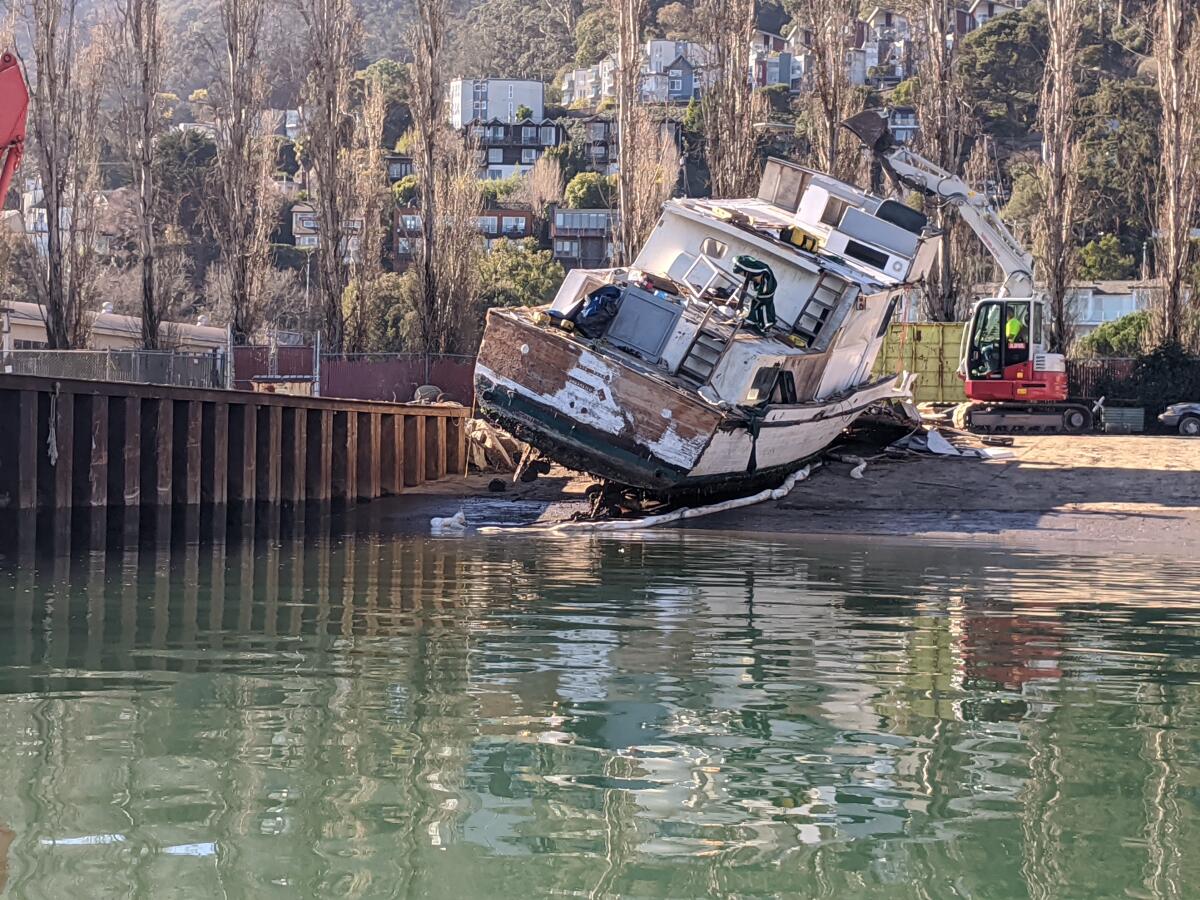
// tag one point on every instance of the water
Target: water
(686, 716)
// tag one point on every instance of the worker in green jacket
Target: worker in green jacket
(1014, 329)
(760, 277)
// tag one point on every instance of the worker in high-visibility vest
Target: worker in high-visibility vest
(762, 279)
(1014, 329)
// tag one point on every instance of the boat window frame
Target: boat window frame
(718, 273)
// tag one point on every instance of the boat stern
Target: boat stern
(586, 409)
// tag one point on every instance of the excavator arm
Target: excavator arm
(976, 208)
(14, 108)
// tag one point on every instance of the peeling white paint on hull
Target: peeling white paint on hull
(585, 399)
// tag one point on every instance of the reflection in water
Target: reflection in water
(676, 717)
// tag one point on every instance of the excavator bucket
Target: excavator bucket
(14, 107)
(872, 129)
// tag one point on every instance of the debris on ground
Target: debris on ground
(455, 524)
(947, 442)
(491, 449)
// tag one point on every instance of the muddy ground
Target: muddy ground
(1098, 493)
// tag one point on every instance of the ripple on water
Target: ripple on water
(677, 716)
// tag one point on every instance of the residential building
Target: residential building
(399, 165)
(771, 24)
(306, 231)
(902, 122)
(981, 12)
(494, 224)
(304, 226)
(405, 235)
(507, 149)
(601, 141)
(671, 72)
(887, 47)
(582, 238)
(771, 68)
(23, 327)
(1096, 302)
(505, 223)
(485, 99)
(678, 82)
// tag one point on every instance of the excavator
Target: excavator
(14, 107)
(1013, 383)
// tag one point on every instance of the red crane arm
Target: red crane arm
(14, 105)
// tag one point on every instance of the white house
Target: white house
(1096, 302)
(483, 99)
(982, 11)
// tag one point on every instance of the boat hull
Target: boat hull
(585, 410)
(594, 413)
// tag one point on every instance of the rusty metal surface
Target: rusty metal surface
(929, 349)
(163, 392)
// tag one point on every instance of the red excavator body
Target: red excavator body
(14, 107)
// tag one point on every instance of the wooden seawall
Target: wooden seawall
(70, 446)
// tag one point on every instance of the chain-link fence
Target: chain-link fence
(181, 369)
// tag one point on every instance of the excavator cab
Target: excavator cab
(1003, 334)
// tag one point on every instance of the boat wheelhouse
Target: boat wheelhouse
(652, 375)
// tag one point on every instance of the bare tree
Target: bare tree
(973, 262)
(648, 162)
(241, 205)
(729, 106)
(363, 318)
(1054, 239)
(653, 161)
(66, 138)
(449, 199)
(827, 28)
(544, 185)
(1177, 52)
(333, 39)
(137, 76)
(944, 127)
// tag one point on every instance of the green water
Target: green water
(681, 717)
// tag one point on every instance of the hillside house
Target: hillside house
(487, 99)
(494, 224)
(582, 238)
(983, 11)
(507, 149)
(306, 231)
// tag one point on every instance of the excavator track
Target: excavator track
(1068, 417)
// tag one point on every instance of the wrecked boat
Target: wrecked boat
(738, 344)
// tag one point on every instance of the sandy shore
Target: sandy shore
(1099, 493)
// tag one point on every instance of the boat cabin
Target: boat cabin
(837, 254)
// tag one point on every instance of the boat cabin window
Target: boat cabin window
(772, 385)
(904, 216)
(707, 278)
(782, 185)
(887, 316)
(869, 255)
(835, 208)
(713, 248)
(643, 323)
